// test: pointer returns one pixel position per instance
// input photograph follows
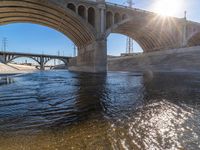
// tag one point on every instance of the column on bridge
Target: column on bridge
(102, 8)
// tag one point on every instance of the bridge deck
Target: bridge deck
(33, 55)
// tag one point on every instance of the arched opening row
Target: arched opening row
(89, 15)
(84, 12)
(114, 18)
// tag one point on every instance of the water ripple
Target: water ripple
(62, 110)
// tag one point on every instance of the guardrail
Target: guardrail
(126, 7)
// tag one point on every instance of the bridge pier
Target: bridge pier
(2, 58)
(42, 68)
(42, 65)
(91, 58)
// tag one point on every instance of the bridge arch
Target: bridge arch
(49, 14)
(149, 37)
(194, 40)
(50, 59)
(16, 57)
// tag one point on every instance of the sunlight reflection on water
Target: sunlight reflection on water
(63, 110)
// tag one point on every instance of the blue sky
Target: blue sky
(39, 39)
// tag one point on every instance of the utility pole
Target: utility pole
(185, 15)
(130, 3)
(75, 49)
(4, 44)
(184, 35)
(129, 45)
(129, 42)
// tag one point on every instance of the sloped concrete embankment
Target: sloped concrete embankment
(184, 59)
(6, 69)
(15, 69)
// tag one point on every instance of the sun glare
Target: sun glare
(167, 7)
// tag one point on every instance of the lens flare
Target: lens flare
(168, 7)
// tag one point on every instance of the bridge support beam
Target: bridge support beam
(91, 58)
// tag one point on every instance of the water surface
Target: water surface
(63, 110)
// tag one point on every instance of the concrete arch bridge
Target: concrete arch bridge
(41, 60)
(88, 23)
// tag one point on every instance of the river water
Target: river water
(61, 110)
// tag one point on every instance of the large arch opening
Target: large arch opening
(194, 40)
(23, 63)
(56, 64)
(48, 14)
(119, 47)
(35, 39)
(156, 35)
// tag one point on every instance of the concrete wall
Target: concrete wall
(184, 59)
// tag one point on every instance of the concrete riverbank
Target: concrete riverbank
(15, 69)
(175, 60)
(184, 59)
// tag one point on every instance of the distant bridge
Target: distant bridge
(41, 59)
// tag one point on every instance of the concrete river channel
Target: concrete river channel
(61, 110)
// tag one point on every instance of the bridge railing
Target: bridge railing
(127, 7)
(123, 6)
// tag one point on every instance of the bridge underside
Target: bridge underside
(151, 35)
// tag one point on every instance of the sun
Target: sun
(167, 7)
